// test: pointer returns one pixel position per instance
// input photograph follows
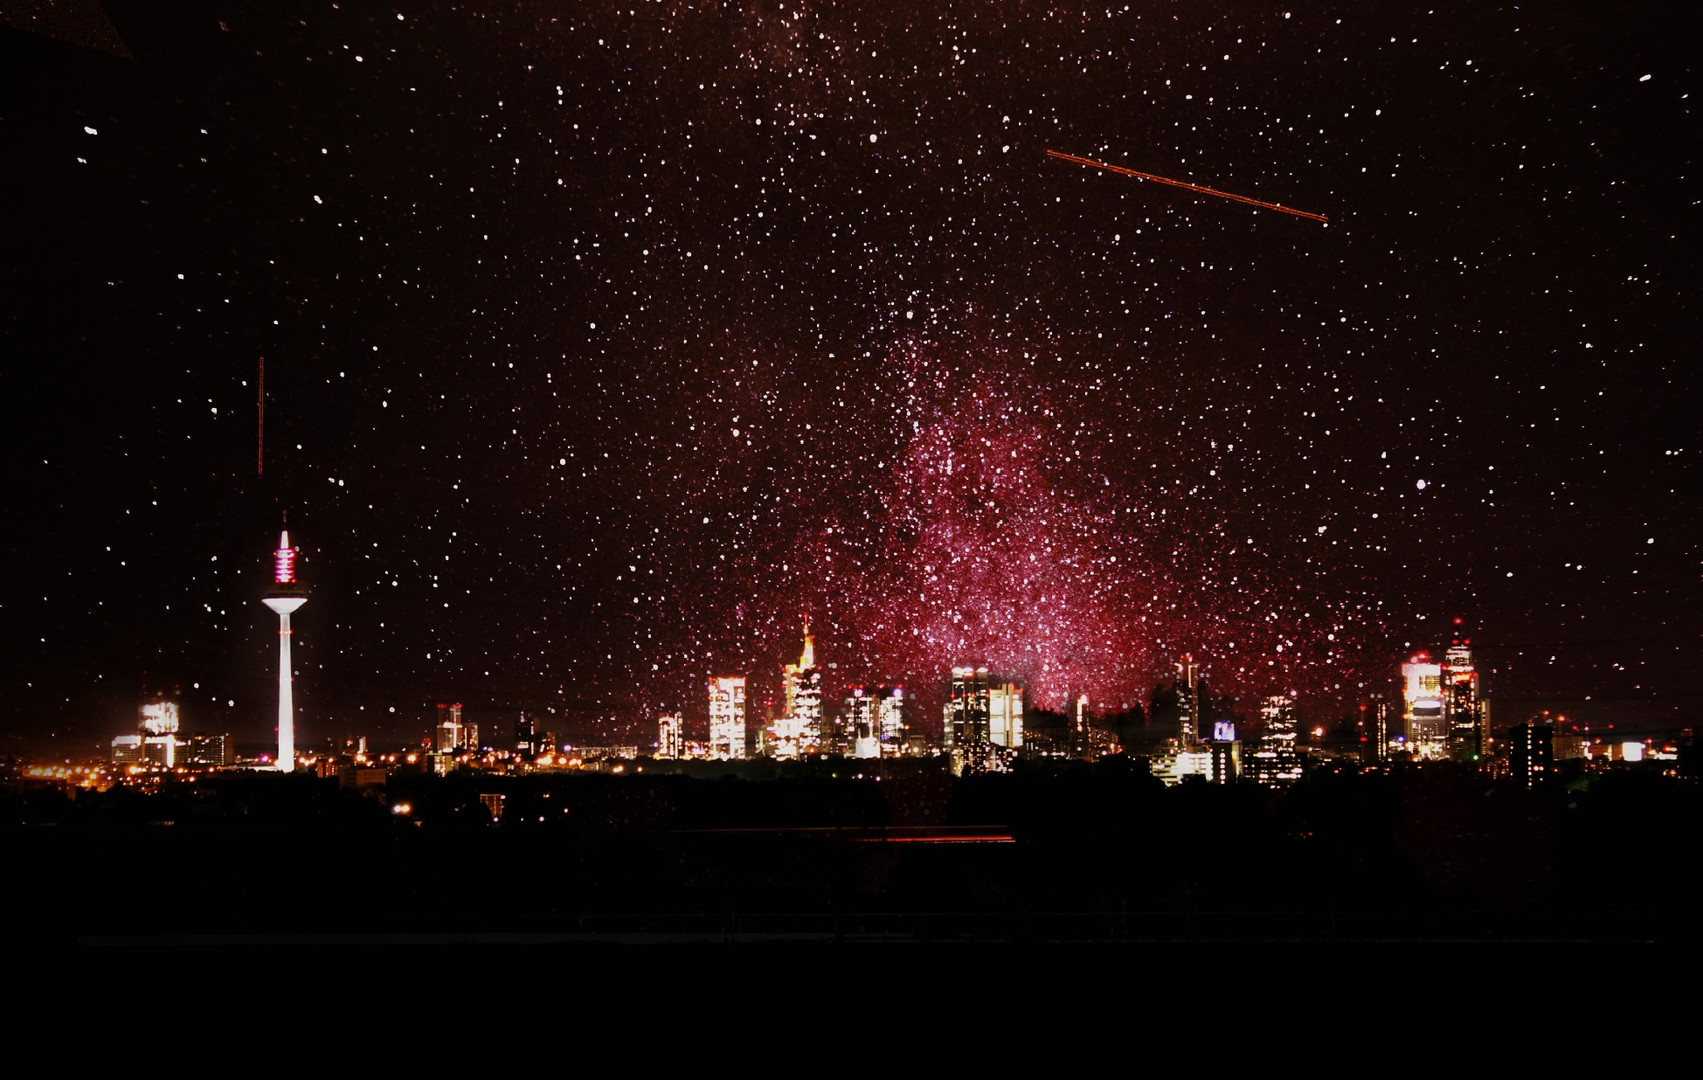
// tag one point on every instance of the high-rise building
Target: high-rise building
(213, 750)
(966, 711)
(983, 716)
(890, 719)
(1226, 754)
(1374, 725)
(127, 750)
(285, 597)
(1461, 705)
(1005, 715)
(727, 717)
(1427, 725)
(670, 736)
(860, 726)
(1531, 751)
(159, 733)
(1188, 701)
(526, 736)
(1274, 761)
(451, 733)
(798, 731)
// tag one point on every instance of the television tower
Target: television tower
(284, 597)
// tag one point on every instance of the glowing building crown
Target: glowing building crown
(284, 561)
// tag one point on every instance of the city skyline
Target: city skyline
(600, 346)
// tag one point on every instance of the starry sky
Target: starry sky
(602, 343)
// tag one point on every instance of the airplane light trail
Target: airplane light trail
(1181, 184)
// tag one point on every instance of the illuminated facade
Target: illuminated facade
(1274, 761)
(1005, 715)
(127, 750)
(860, 725)
(1375, 729)
(727, 717)
(890, 719)
(526, 737)
(454, 735)
(798, 731)
(1467, 718)
(285, 597)
(966, 711)
(1188, 701)
(159, 733)
(1423, 715)
(670, 736)
(1531, 752)
(1225, 752)
(982, 718)
(210, 750)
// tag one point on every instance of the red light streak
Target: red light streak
(1183, 184)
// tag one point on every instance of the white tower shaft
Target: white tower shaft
(283, 605)
(286, 698)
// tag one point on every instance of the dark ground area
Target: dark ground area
(1096, 854)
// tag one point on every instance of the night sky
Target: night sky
(603, 342)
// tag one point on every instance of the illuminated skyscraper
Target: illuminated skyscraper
(1531, 751)
(1226, 754)
(1005, 715)
(981, 712)
(1422, 693)
(1374, 725)
(670, 736)
(860, 727)
(727, 717)
(799, 730)
(159, 732)
(526, 737)
(1465, 712)
(966, 719)
(285, 597)
(452, 735)
(890, 719)
(1274, 761)
(1188, 701)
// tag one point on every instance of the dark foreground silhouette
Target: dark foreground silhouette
(1049, 853)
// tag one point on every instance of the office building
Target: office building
(453, 735)
(890, 719)
(798, 730)
(1463, 710)
(1188, 701)
(159, 733)
(1424, 719)
(1531, 752)
(1005, 715)
(212, 751)
(1275, 761)
(727, 717)
(1226, 755)
(966, 709)
(982, 720)
(127, 750)
(860, 727)
(670, 736)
